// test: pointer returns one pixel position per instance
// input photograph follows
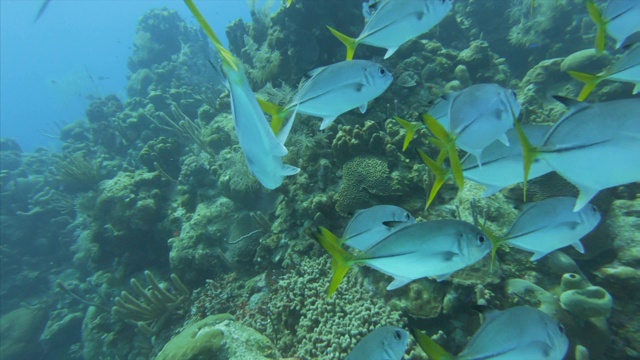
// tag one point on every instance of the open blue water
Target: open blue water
(76, 51)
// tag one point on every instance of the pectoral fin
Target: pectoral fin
(586, 194)
(363, 107)
(443, 277)
(578, 246)
(398, 282)
(288, 170)
(326, 122)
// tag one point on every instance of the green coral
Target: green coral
(365, 179)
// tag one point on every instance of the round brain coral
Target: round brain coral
(364, 179)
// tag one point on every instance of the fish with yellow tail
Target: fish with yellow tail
(263, 151)
(521, 332)
(594, 146)
(425, 249)
(627, 69)
(619, 19)
(391, 23)
(331, 91)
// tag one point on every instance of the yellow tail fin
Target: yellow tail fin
(590, 83)
(529, 154)
(277, 114)
(440, 172)
(342, 260)
(496, 241)
(448, 144)
(350, 42)
(430, 347)
(601, 23)
(225, 54)
(411, 131)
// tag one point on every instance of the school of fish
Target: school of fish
(481, 120)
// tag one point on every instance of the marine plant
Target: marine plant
(266, 61)
(186, 129)
(77, 171)
(154, 306)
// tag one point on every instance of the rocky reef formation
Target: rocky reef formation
(158, 183)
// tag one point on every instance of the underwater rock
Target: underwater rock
(365, 179)
(10, 155)
(158, 38)
(139, 82)
(521, 291)
(197, 253)
(217, 337)
(462, 75)
(589, 302)
(162, 155)
(453, 86)
(62, 330)
(421, 299)
(588, 61)
(623, 222)
(19, 330)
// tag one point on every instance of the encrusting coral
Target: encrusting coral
(364, 180)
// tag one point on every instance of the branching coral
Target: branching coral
(77, 170)
(154, 307)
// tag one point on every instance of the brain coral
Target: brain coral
(364, 178)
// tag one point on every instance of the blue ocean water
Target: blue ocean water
(51, 69)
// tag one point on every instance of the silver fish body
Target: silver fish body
(263, 151)
(623, 19)
(551, 224)
(335, 89)
(627, 69)
(481, 114)
(391, 23)
(368, 226)
(520, 332)
(427, 249)
(502, 165)
(383, 343)
(596, 146)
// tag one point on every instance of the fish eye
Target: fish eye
(382, 71)
(561, 328)
(481, 239)
(407, 216)
(398, 335)
(594, 209)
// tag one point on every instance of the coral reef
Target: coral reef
(365, 181)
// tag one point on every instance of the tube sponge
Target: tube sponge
(573, 281)
(590, 302)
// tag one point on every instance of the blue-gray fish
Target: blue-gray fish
(551, 224)
(594, 146)
(391, 23)
(384, 343)
(368, 226)
(333, 90)
(263, 151)
(521, 332)
(626, 69)
(481, 114)
(621, 19)
(424, 249)
(502, 165)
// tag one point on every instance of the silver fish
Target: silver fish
(626, 69)
(521, 332)
(391, 23)
(595, 146)
(551, 224)
(383, 343)
(262, 150)
(335, 89)
(368, 226)
(502, 165)
(620, 19)
(481, 114)
(425, 249)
